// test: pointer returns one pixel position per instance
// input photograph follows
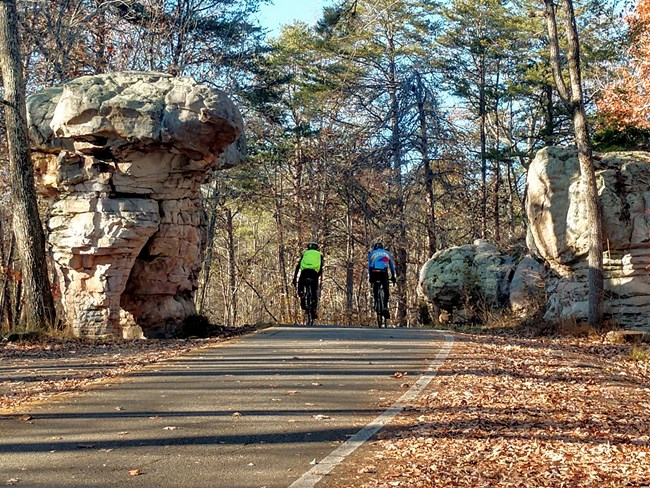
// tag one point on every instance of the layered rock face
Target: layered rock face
(554, 277)
(558, 233)
(121, 158)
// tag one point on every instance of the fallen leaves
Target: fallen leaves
(135, 472)
(35, 371)
(516, 412)
(500, 412)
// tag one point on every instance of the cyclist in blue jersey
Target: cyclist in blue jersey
(380, 262)
(310, 267)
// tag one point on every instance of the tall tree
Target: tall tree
(383, 41)
(572, 96)
(30, 238)
(477, 38)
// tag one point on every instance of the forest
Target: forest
(410, 122)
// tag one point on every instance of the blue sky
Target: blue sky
(281, 12)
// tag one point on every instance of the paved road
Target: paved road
(258, 411)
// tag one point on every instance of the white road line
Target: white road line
(324, 467)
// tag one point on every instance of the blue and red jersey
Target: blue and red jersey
(381, 260)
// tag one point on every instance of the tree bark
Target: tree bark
(349, 263)
(423, 148)
(232, 269)
(209, 247)
(30, 238)
(401, 253)
(483, 136)
(572, 97)
(6, 305)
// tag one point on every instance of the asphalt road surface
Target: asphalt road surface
(277, 408)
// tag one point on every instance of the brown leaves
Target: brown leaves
(36, 370)
(512, 412)
(135, 472)
(625, 102)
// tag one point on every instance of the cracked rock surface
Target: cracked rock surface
(121, 158)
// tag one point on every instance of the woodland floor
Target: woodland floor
(502, 411)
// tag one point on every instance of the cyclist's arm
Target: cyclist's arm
(392, 268)
(320, 271)
(369, 262)
(295, 272)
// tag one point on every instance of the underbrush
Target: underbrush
(509, 324)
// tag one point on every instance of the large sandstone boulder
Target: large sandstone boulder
(467, 280)
(528, 288)
(121, 158)
(558, 233)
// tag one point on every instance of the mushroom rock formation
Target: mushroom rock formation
(121, 158)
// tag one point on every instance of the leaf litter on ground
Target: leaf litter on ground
(500, 412)
(517, 412)
(34, 371)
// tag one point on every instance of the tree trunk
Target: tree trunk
(401, 252)
(423, 148)
(549, 116)
(497, 163)
(30, 238)
(6, 305)
(209, 247)
(483, 136)
(282, 257)
(232, 269)
(349, 264)
(573, 98)
(100, 35)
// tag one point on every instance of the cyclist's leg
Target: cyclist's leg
(301, 289)
(307, 299)
(384, 281)
(311, 284)
(375, 293)
(314, 295)
(309, 318)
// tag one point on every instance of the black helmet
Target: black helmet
(378, 245)
(312, 245)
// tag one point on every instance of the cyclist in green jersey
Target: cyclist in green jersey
(310, 267)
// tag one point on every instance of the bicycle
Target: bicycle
(310, 303)
(380, 309)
